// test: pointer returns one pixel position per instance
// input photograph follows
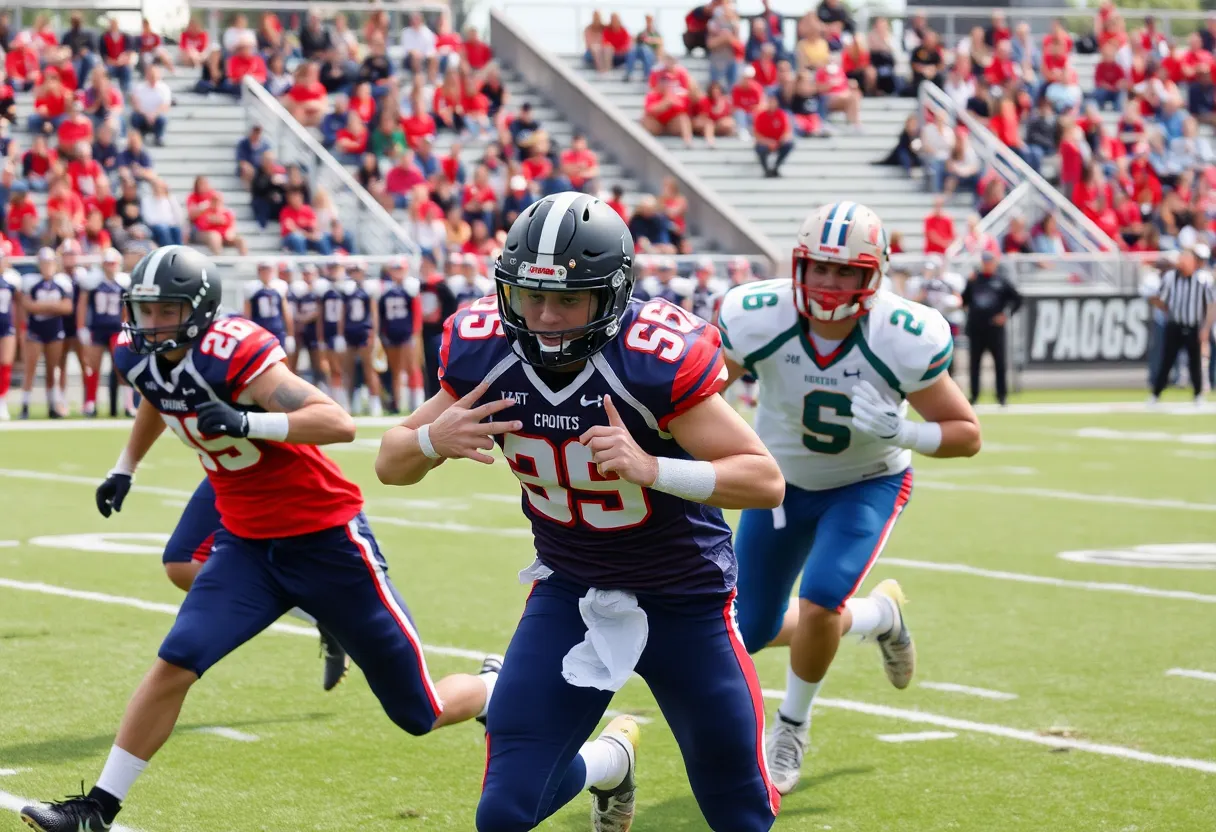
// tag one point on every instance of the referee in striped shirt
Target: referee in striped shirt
(1188, 298)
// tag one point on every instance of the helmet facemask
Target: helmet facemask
(155, 336)
(829, 305)
(560, 348)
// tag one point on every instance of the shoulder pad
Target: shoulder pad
(251, 288)
(484, 285)
(753, 315)
(321, 285)
(123, 279)
(473, 342)
(911, 339)
(281, 286)
(12, 278)
(90, 280)
(234, 351)
(412, 286)
(299, 288)
(373, 287)
(347, 286)
(65, 282)
(29, 281)
(682, 286)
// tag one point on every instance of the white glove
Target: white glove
(339, 344)
(876, 416)
(289, 344)
(84, 337)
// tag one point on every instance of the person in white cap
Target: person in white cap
(10, 313)
(360, 328)
(401, 335)
(47, 299)
(304, 299)
(99, 317)
(708, 289)
(266, 305)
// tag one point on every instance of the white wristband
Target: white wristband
(123, 466)
(424, 442)
(272, 426)
(691, 479)
(922, 437)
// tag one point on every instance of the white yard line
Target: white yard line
(640, 720)
(1094, 409)
(1020, 577)
(1112, 435)
(9, 772)
(227, 733)
(967, 690)
(8, 544)
(1071, 496)
(14, 804)
(919, 736)
(444, 526)
(919, 717)
(93, 481)
(1191, 674)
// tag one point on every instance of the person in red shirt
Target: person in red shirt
(363, 102)
(669, 70)
(402, 178)
(217, 226)
(536, 166)
(1055, 64)
(103, 200)
(747, 96)
(1002, 69)
(117, 54)
(617, 203)
(50, 104)
(939, 228)
(244, 61)
(151, 49)
(21, 64)
(418, 124)
(764, 68)
(1150, 39)
(1195, 58)
(307, 100)
(477, 53)
(774, 131)
(351, 141)
(855, 62)
(479, 201)
(19, 207)
(998, 30)
(714, 114)
(618, 40)
(839, 93)
(66, 72)
(447, 104)
(83, 171)
(298, 226)
(665, 111)
(192, 43)
(1110, 80)
(1059, 35)
(198, 202)
(62, 201)
(581, 165)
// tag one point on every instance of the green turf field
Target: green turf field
(1081, 727)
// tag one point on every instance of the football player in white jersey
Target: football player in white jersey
(838, 360)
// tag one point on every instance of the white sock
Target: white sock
(871, 616)
(489, 680)
(120, 772)
(296, 612)
(376, 408)
(799, 695)
(417, 397)
(25, 398)
(607, 763)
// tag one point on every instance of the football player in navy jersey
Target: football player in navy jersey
(331, 322)
(401, 334)
(266, 305)
(47, 300)
(607, 410)
(360, 328)
(10, 314)
(74, 273)
(99, 317)
(306, 314)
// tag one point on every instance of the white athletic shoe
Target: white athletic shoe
(612, 809)
(898, 650)
(784, 747)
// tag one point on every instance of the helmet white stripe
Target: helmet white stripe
(553, 224)
(153, 264)
(836, 229)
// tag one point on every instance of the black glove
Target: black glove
(221, 418)
(112, 492)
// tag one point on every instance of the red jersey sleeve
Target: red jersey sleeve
(233, 352)
(472, 345)
(701, 375)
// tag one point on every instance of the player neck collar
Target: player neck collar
(557, 397)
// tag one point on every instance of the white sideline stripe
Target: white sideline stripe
(843, 704)
(1118, 751)
(14, 804)
(1191, 674)
(919, 736)
(983, 693)
(444, 526)
(5, 544)
(227, 733)
(1074, 496)
(94, 481)
(171, 609)
(1095, 409)
(640, 720)
(9, 772)
(1112, 435)
(1020, 577)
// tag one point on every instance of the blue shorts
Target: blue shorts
(832, 537)
(390, 340)
(194, 535)
(306, 338)
(338, 576)
(103, 335)
(69, 326)
(358, 339)
(45, 332)
(700, 675)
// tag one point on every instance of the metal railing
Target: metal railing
(375, 230)
(215, 13)
(1077, 273)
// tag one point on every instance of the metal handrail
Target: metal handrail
(375, 230)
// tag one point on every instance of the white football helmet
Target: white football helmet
(846, 233)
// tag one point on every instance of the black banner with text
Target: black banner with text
(1080, 330)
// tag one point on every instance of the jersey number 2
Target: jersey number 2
(826, 437)
(221, 340)
(548, 475)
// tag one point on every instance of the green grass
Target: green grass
(1092, 662)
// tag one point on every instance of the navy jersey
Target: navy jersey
(266, 309)
(396, 314)
(602, 531)
(105, 306)
(332, 311)
(10, 287)
(357, 310)
(38, 289)
(74, 277)
(306, 304)
(263, 489)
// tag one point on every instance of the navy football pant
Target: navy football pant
(700, 675)
(338, 576)
(195, 532)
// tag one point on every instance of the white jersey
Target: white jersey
(805, 400)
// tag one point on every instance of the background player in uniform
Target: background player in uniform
(360, 328)
(306, 315)
(294, 530)
(836, 359)
(266, 305)
(74, 273)
(10, 315)
(708, 289)
(331, 323)
(99, 317)
(626, 454)
(400, 332)
(47, 300)
(438, 304)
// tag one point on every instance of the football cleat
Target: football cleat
(78, 813)
(898, 650)
(490, 664)
(612, 809)
(785, 747)
(336, 660)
